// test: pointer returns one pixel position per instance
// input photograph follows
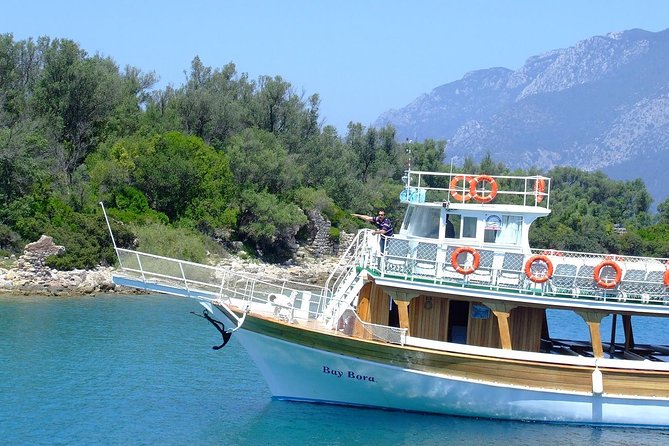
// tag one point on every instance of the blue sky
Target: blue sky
(362, 57)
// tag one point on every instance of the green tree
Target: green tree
(269, 223)
(185, 178)
(76, 94)
(259, 161)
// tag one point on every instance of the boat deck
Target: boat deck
(636, 283)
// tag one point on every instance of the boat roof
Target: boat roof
(528, 194)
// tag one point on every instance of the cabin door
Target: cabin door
(458, 318)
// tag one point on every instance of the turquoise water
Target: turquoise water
(139, 370)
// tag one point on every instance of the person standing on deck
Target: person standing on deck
(450, 229)
(384, 226)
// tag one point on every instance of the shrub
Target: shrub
(87, 242)
(167, 241)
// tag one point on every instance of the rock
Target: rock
(43, 247)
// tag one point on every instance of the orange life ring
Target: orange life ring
(666, 278)
(538, 258)
(454, 188)
(539, 188)
(475, 263)
(604, 283)
(483, 198)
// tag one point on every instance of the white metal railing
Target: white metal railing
(557, 273)
(279, 298)
(530, 190)
(355, 255)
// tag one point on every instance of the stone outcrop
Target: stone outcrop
(319, 228)
(30, 275)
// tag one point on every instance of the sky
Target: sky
(362, 57)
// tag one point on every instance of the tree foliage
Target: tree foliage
(226, 157)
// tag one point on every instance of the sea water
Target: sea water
(140, 370)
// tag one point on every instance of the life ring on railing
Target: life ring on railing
(475, 263)
(533, 277)
(454, 188)
(480, 197)
(602, 283)
(666, 279)
(539, 189)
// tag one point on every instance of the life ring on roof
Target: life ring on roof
(539, 189)
(454, 188)
(535, 277)
(483, 198)
(475, 263)
(604, 283)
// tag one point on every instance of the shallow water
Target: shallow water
(139, 370)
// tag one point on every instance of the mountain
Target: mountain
(600, 104)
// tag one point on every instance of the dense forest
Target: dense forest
(184, 171)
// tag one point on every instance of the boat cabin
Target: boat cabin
(460, 269)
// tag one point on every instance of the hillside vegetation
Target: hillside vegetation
(184, 170)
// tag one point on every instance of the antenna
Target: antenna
(111, 234)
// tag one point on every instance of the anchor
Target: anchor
(219, 326)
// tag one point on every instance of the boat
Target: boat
(450, 317)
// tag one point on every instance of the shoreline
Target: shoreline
(24, 278)
(28, 275)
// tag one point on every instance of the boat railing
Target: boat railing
(564, 274)
(355, 255)
(441, 187)
(209, 283)
(350, 324)
(282, 299)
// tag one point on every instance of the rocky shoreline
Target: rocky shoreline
(28, 275)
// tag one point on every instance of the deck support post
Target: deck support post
(402, 299)
(629, 333)
(594, 320)
(502, 311)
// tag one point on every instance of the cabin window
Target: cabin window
(469, 227)
(422, 221)
(452, 227)
(503, 229)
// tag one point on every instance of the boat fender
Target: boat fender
(475, 263)
(539, 278)
(604, 283)
(483, 198)
(219, 326)
(454, 188)
(539, 189)
(597, 381)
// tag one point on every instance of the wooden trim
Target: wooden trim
(403, 310)
(504, 332)
(594, 319)
(502, 311)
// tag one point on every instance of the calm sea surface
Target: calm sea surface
(138, 370)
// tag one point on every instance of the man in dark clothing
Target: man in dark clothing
(384, 226)
(450, 229)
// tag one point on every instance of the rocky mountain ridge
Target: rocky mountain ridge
(600, 104)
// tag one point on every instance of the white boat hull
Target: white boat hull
(296, 372)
